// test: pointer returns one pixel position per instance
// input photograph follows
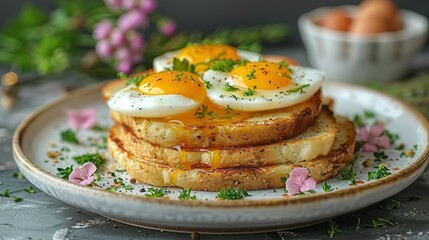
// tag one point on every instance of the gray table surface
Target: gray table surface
(40, 216)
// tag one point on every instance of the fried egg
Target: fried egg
(260, 86)
(160, 95)
(202, 56)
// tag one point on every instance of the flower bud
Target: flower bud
(132, 20)
(104, 49)
(102, 30)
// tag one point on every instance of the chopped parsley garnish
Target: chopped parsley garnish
(136, 80)
(381, 172)
(185, 194)
(155, 192)
(326, 187)
(208, 84)
(333, 229)
(283, 64)
(392, 204)
(283, 179)
(249, 92)
(17, 199)
(128, 187)
(18, 175)
(232, 194)
(30, 190)
(380, 155)
(251, 74)
(183, 65)
(121, 75)
(349, 172)
(69, 136)
(225, 65)
(98, 128)
(95, 158)
(299, 89)
(228, 109)
(5, 193)
(178, 76)
(382, 222)
(360, 120)
(230, 88)
(204, 111)
(64, 173)
(414, 198)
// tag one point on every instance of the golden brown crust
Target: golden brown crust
(316, 140)
(321, 168)
(265, 128)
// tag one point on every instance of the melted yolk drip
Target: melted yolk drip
(215, 160)
(203, 55)
(261, 75)
(174, 82)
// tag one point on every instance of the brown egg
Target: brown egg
(397, 24)
(384, 9)
(369, 26)
(336, 19)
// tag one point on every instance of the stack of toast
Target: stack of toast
(253, 153)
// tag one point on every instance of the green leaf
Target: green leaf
(64, 173)
(95, 158)
(155, 192)
(232, 194)
(69, 136)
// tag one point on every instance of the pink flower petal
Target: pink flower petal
(383, 142)
(300, 173)
(308, 184)
(363, 134)
(369, 147)
(293, 186)
(87, 181)
(376, 130)
(89, 168)
(82, 119)
(102, 30)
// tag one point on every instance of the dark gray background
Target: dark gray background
(207, 15)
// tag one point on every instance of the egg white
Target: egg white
(165, 61)
(263, 99)
(131, 102)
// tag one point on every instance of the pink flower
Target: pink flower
(114, 4)
(104, 49)
(123, 53)
(82, 119)
(129, 4)
(125, 66)
(148, 6)
(132, 20)
(117, 38)
(102, 30)
(136, 42)
(373, 139)
(167, 27)
(84, 175)
(299, 181)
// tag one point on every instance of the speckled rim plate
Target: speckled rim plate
(221, 216)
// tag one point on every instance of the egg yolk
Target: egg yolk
(174, 82)
(203, 55)
(261, 75)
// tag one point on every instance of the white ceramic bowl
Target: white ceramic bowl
(346, 57)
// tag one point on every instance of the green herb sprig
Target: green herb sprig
(155, 192)
(69, 136)
(381, 172)
(96, 158)
(232, 194)
(185, 194)
(64, 173)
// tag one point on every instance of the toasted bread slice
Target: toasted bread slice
(249, 178)
(262, 128)
(316, 140)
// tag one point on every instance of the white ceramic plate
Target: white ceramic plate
(265, 210)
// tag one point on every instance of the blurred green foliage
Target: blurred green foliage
(53, 42)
